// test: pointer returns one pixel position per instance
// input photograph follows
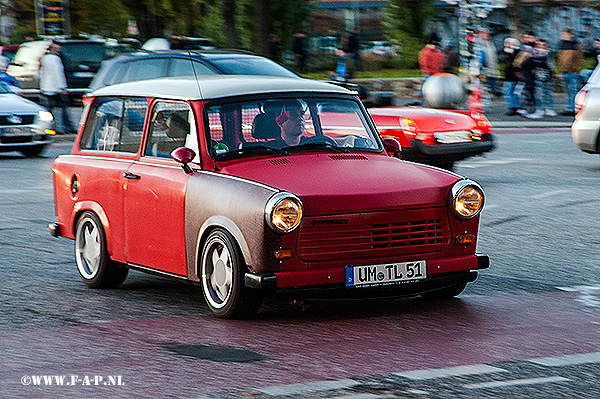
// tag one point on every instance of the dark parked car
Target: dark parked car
(81, 58)
(168, 63)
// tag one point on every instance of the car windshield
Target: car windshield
(251, 66)
(286, 125)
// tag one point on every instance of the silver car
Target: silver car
(586, 128)
(24, 125)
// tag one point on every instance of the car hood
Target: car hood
(426, 119)
(14, 104)
(346, 183)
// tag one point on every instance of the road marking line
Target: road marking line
(527, 381)
(359, 396)
(567, 360)
(428, 374)
(303, 388)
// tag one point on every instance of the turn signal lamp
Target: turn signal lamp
(408, 126)
(50, 131)
(283, 253)
(464, 239)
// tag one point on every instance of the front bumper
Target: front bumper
(268, 282)
(15, 143)
(419, 151)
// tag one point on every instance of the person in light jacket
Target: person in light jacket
(53, 85)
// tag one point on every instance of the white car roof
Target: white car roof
(216, 86)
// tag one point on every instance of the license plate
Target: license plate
(389, 273)
(15, 131)
(453, 137)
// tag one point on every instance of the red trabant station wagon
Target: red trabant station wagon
(250, 186)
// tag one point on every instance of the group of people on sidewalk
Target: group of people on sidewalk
(528, 70)
(529, 74)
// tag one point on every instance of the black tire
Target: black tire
(93, 262)
(31, 152)
(445, 293)
(222, 273)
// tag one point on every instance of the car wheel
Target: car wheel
(32, 151)
(93, 262)
(445, 293)
(223, 270)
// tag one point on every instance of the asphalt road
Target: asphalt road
(528, 327)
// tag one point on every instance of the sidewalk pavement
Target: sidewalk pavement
(496, 113)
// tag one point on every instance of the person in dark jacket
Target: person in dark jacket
(544, 84)
(511, 74)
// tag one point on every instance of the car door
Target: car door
(108, 148)
(155, 192)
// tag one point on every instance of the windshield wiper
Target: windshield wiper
(319, 145)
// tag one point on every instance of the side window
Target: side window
(186, 67)
(115, 124)
(172, 127)
(151, 68)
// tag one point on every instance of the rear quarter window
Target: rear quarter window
(115, 125)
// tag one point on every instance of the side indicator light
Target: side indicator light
(465, 239)
(284, 253)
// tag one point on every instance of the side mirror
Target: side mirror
(392, 146)
(184, 156)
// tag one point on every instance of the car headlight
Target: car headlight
(283, 212)
(466, 199)
(45, 116)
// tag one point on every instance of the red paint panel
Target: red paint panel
(154, 216)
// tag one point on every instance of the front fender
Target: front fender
(236, 205)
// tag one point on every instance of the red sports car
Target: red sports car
(435, 137)
(249, 186)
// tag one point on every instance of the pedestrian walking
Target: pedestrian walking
(511, 74)
(352, 49)
(544, 81)
(526, 72)
(53, 85)
(593, 53)
(489, 62)
(299, 50)
(570, 62)
(431, 57)
(451, 58)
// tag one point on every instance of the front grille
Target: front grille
(378, 234)
(5, 120)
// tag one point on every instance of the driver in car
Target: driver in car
(291, 123)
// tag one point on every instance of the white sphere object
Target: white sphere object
(444, 90)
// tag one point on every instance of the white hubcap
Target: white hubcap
(90, 250)
(220, 276)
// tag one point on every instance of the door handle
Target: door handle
(129, 175)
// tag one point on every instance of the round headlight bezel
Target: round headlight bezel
(457, 190)
(276, 204)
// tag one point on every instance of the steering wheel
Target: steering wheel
(321, 139)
